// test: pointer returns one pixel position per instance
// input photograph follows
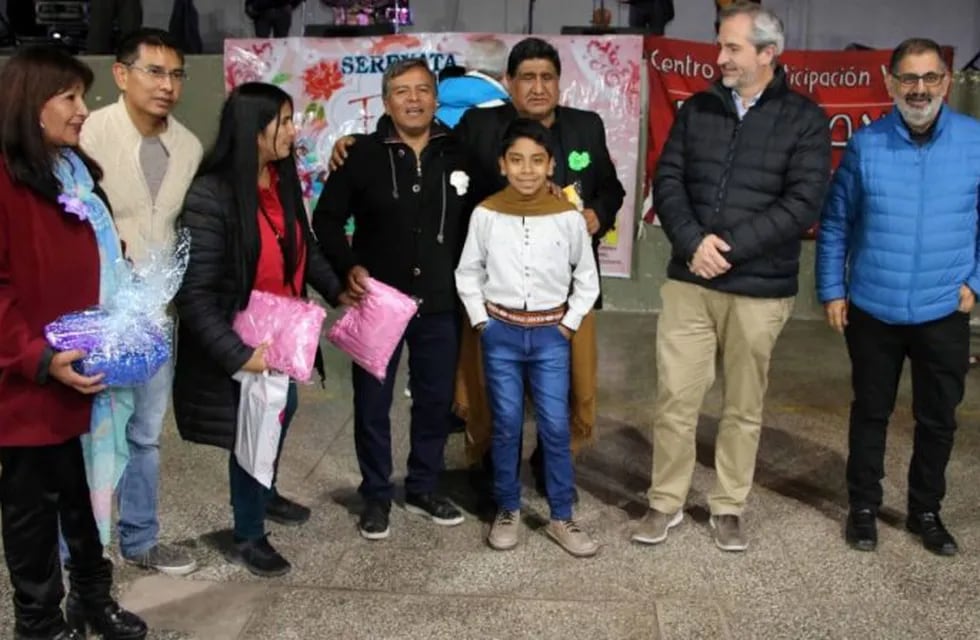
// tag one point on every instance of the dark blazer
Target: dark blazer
(209, 351)
(481, 133)
(408, 231)
(758, 183)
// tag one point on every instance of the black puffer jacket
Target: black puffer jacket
(408, 227)
(208, 349)
(758, 183)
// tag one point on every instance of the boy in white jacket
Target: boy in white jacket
(527, 277)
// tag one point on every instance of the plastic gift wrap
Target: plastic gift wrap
(291, 327)
(130, 336)
(370, 331)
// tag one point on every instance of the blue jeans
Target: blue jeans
(512, 353)
(248, 497)
(139, 485)
(433, 343)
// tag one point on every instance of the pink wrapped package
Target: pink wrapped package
(290, 326)
(369, 332)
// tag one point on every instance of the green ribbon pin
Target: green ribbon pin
(579, 160)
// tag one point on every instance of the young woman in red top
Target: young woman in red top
(249, 231)
(50, 263)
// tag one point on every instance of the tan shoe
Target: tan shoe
(654, 526)
(503, 532)
(728, 533)
(571, 538)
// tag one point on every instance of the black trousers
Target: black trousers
(651, 15)
(432, 349)
(40, 486)
(274, 22)
(939, 353)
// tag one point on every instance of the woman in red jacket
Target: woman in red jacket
(50, 264)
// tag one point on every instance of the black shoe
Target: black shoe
(67, 634)
(934, 535)
(434, 506)
(111, 621)
(373, 523)
(259, 557)
(861, 531)
(286, 512)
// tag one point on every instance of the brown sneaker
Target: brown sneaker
(571, 538)
(503, 532)
(728, 533)
(654, 526)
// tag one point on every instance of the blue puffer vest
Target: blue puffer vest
(898, 234)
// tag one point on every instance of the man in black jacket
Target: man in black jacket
(582, 164)
(743, 174)
(405, 186)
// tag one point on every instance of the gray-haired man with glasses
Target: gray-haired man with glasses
(149, 160)
(898, 271)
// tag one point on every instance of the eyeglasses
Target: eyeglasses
(930, 79)
(160, 74)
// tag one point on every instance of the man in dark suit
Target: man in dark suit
(582, 165)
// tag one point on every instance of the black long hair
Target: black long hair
(31, 77)
(234, 158)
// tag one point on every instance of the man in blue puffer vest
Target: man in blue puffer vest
(898, 270)
(478, 85)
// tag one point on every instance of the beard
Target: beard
(919, 116)
(735, 81)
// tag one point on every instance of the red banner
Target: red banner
(849, 85)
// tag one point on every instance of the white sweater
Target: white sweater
(530, 263)
(145, 225)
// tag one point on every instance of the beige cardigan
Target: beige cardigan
(145, 225)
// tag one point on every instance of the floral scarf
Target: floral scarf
(104, 447)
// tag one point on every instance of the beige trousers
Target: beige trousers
(695, 325)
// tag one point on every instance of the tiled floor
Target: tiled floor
(797, 580)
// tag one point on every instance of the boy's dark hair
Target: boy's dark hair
(129, 48)
(912, 47)
(527, 128)
(532, 49)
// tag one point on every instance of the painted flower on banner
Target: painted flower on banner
(321, 80)
(243, 68)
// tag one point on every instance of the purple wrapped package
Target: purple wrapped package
(290, 326)
(130, 336)
(370, 331)
(124, 363)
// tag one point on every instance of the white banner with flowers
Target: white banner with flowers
(336, 86)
